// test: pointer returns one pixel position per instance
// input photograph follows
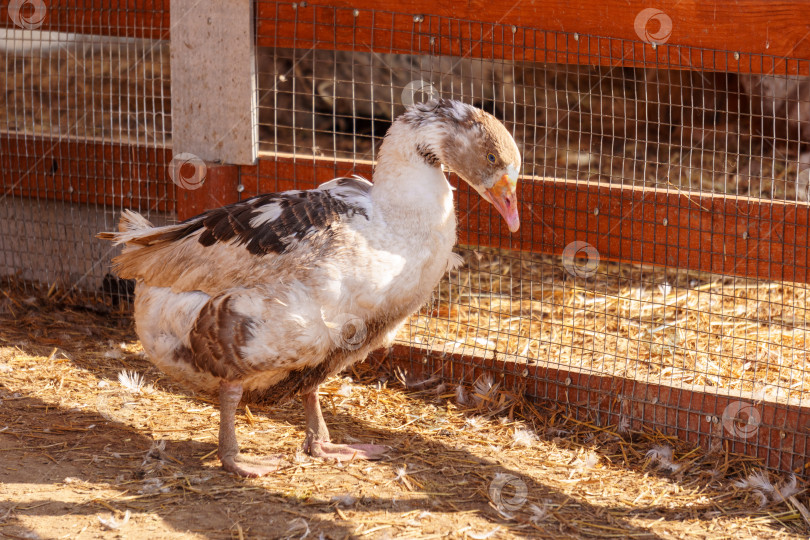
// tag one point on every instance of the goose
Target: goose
(264, 299)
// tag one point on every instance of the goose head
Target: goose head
(473, 144)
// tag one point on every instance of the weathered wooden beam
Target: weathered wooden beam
(214, 98)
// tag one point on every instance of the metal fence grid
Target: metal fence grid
(615, 340)
(84, 131)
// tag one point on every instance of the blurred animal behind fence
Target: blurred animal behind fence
(693, 108)
(340, 102)
(780, 107)
(566, 115)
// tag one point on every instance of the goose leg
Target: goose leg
(317, 442)
(232, 461)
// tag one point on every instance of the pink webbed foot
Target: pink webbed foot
(317, 444)
(251, 466)
(232, 461)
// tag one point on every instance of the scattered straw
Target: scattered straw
(644, 323)
(158, 461)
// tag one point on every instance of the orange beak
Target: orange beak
(504, 198)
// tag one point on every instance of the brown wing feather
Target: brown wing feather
(216, 342)
(226, 247)
(187, 265)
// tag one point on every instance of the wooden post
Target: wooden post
(214, 111)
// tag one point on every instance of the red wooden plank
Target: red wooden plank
(544, 31)
(780, 435)
(221, 187)
(86, 172)
(147, 19)
(711, 232)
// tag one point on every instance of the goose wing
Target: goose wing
(267, 237)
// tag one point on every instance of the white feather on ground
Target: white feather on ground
(484, 535)
(461, 395)
(523, 438)
(112, 524)
(132, 381)
(298, 526)
(587, 460)
(662, 457)
(759, 483)
(345, 499)
(538, 514)
(483, 389)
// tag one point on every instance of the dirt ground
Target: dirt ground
(84, 456)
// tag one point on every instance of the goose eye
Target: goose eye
(491, 157)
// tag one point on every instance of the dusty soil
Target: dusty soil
(81, 452)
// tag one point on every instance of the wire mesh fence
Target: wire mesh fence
(669, 189)
(623, 342)
(84, 129)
